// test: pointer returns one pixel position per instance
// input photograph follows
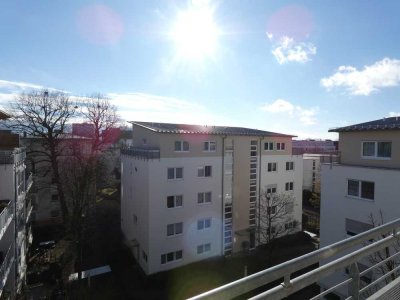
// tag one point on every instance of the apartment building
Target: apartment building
(191, 192)
(362, 187)
(15, 211)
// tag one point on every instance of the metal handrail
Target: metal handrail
(284, 270)
(5, 217)
(147, 153)
(5, 265)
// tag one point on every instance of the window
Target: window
(289, 165)
(205, 171)
(144, 141)
(377, 150)
(204, 197)
(171, 256)
(280, 146)
(203, 224)
(289, 186)
(54, 198)
(174, 229)
(174, 201)
(269, 146)
(175, 173)
(271, 167)
(361, 189)
(290, 225)
(313, 164)
(135, 219)
(181, 146)
(203, 248)
(270, 191)
(271, 210)
(210, 146)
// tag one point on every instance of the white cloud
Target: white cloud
(288, 50)
(394, 114)
(381, 74)
(279, 105)
(306, 116)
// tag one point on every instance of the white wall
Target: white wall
(336, 206)
(160, 187)
(282, 176)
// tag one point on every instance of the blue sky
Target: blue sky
(293, 67)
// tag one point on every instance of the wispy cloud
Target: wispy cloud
(306, 116)
(148, 107)
(18, 85)
(286, 49)
(382, 74)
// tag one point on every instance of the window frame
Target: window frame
(175, 201)
(182, 144)
(204, 173)
(201, 224)
(209, 146)
(290, 166)
(204, 197)
(274, 167)
(269, 146)
(289, 186)
(175, 227)
(360, 190)
(280, 146)
(376, 150)
(175, 173)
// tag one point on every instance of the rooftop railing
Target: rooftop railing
(146, 153)
(343, 256)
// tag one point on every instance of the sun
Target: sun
(195, 34)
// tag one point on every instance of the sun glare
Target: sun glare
(195, 33)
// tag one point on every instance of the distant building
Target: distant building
(314, 147)
(364, 183)
(191, 192)
(83, 130)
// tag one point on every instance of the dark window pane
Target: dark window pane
(179, 172)
(178, 146)
(384, 149)
(368, 148)
(171, 173)
(352, 187)
(170, 256)
(185, 146)
(178, 254)
(367, 190)
(170, 201)
(207, 171)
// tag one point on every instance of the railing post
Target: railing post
(354, 287)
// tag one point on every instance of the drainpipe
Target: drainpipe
(259, 190)
(222, 195)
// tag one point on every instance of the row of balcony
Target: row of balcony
(338, 258)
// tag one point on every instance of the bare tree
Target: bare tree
(275, 216)
(384, 255)
(99, 112)
(44, 114)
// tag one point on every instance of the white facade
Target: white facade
(148, 180)
(210, 215)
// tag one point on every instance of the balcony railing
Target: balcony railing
(146, 153)
(6, 265)
(343, 256)
(6, 215)
(29, 182)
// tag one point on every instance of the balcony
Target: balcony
(6, 215)
(145, 153)
(6, 264)
(29, 182)
(339, 258)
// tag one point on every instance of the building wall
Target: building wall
(160, 187)
(336, 205)
(281, 176)
(7, 182)
(350, 148)
(135, 182)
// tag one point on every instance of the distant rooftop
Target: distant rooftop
(392, 123)
(4, 115)
(200, 129)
